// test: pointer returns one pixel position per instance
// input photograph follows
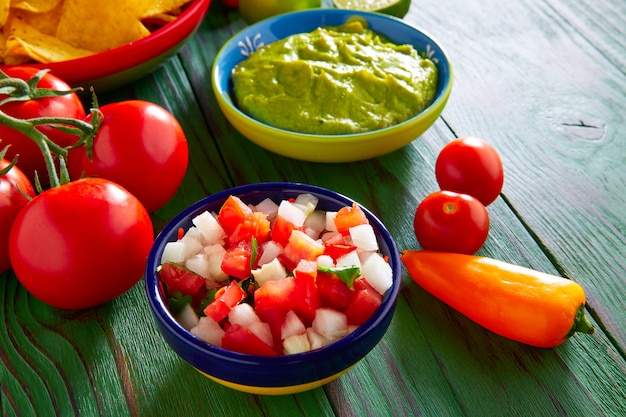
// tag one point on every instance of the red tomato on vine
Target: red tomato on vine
(140, 146)
(66, 106)
(12, 185)
(80, 244)
(470, 166)
(451, 222)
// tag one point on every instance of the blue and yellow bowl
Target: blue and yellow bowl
(327, 148)
(280, 374)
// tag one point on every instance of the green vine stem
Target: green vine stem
(20, 90)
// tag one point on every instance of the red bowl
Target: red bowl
(115, 67)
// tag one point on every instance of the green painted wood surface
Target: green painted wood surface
(544, 81)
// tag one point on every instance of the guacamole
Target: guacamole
(334, 80)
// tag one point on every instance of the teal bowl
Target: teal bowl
(276, 375)
(327, 148)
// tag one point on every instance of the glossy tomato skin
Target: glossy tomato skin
(80, 244)
(140, 146)
(470, 166)
(69, 106)
(11, 202)
(451, 222)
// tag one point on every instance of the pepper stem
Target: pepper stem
(581, 322)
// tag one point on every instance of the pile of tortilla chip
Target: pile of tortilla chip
(47, 31)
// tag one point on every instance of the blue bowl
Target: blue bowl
(327, 148)
(280, 374)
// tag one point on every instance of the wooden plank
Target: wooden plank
(392, 186)
(600, 23)
(554, 109)
(111, 360)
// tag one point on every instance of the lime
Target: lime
(254, 10)
(398, 8)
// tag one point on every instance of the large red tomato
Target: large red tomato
(470, 166)
(80, 244)
(11, 202)
(68, 106)
(451, 222)
(140, 146)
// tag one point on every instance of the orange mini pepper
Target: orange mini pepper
(518, 303)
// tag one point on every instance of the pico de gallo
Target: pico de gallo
(274, 278)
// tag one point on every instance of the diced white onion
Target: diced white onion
(325, 260)
(349, 259)
(209, 331)
(270, 250)
(292, 325)
(315, 339)
(291, 213)
(317, 222)
(297, 343)
(187, 317)
(377, 272)
(243, 314)
(363, 237)
(210, 228)
(269, 207)
(330, 221)
(271, 271)
(331, 324)
(199, 263)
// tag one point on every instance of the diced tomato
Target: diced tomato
(364, 302)
(232, 214)
(178, 278)
(275, 294)
(281, 230)
(338, 250)
(333, 291)
(301, 246)
(225, 301)
(236, 262)
(275, 318)
(348, 217)
(272, 301)
(255, 225)
(306, 268)
(239, 339)
(305, 298)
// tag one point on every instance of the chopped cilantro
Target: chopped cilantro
(177, 302)
(347, 274)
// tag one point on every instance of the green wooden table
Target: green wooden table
(543, 81)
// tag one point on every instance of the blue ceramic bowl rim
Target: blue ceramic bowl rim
(292, 23)
(173, 331)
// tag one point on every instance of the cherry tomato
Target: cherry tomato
(451, 222)
(69, 106)
(80, 244)
(470, 166)
(11, 202)
(140, 146)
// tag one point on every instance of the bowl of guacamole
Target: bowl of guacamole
(330, 85)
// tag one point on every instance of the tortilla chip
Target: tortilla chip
(45, 22)
(5, 7)
(99, 25)
(148, 8)
(26, 44)
(35, 6)
(56, 30)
